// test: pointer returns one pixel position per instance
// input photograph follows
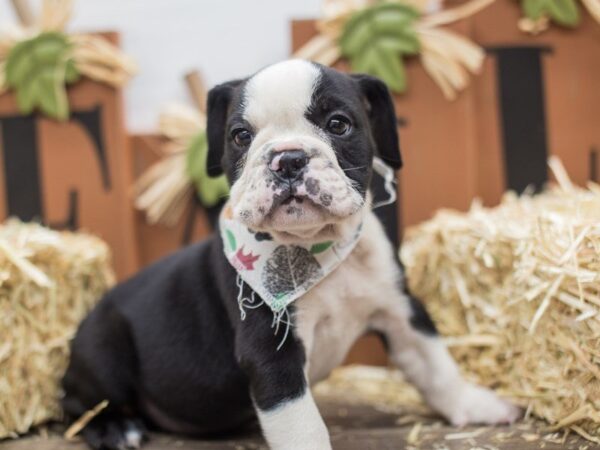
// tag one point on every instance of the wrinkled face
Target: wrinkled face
(296, 142)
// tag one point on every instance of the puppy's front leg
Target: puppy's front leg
(417, 350)
(285, 407)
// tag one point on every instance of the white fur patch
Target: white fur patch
(295, 425)
(280, 94)
(133, 436)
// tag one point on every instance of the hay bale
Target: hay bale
(517, 289)
(48, 281)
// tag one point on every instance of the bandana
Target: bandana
(280, 273)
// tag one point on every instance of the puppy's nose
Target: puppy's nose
(288, 164)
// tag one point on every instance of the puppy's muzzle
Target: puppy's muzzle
(289, 165)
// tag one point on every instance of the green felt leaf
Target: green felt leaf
(71, 72)
(533, 9)
(38, 70)
(320, 247)
(389, 68)
(26, 97)
(18, 65)
(52, 96)
(210, 190)
(376, 39)
(562, 12)
(231, 239)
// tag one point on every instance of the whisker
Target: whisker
(354, 168)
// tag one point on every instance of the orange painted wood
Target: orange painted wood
(68, 161)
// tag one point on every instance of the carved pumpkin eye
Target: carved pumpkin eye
(242, 137)
(339, 125)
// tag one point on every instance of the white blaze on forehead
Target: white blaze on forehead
(280, 94)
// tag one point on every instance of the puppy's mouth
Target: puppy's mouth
(288, 194)
(293, 200)
(293, 209)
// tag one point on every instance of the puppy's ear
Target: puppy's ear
(382, 116)
(217, 107)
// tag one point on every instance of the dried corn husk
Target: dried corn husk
(534, 27)
(101, 61)
(48, 282)
(446, 56)
(55, 15)
(165, 189)
(321, 49)
(593, 7)
(449, 58)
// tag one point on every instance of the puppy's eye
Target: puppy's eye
(338, 125)
(241, 137)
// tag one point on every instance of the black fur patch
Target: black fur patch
(260, 236)
(420, 319)
(312, 186)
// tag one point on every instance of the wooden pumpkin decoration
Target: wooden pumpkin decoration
(62, 130)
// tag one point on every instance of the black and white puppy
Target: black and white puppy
(169, 347)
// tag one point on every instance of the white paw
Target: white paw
(133, 438)
(475, 404)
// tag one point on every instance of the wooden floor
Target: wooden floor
(355, 427)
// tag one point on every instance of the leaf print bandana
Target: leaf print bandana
(279, 273)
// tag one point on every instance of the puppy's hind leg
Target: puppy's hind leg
(415, 348)
(101, 368)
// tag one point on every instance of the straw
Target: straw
(48, 282)
(532, 267)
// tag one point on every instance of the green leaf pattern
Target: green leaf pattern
(320, 247)
(376, 39)
(231, 240)
(563, 12)
(38, 70)
(210, 190)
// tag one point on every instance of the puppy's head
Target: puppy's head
(296, 141)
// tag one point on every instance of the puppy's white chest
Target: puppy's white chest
(328, 320)
(336, 312)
